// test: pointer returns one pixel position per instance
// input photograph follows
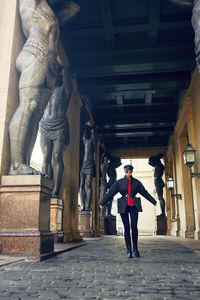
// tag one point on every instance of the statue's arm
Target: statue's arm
(66, 11)
(67, 82)
(94, 136)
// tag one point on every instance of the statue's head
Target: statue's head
(155, 160)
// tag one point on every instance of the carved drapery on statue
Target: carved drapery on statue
(54, 132)
(155, 161)
(40, 73)
(88, 170)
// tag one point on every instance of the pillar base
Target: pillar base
(86, 223)
(110, 225)
(58, 236)
(101, 225)
(56, 217)
(72, 236)
(33, 245)
(197, 235)
(25, 216)
(174, 228)
(161, 226)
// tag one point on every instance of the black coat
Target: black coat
(121, 186)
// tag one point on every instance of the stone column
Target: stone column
(186, 205)
(12, 40)
(70, 181)
(95, 197)
(195, 189)
(167, 197)
(101, 225)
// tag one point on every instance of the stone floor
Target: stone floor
(100, 270)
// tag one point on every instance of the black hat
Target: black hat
(128, 167)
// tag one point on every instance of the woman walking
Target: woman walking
(128, 204)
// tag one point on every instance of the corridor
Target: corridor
(100, 270)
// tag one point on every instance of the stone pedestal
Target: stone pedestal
(25, 216)
(161, 226)
(56, 218)
(101, 225)
(110, 225)
(86, 223)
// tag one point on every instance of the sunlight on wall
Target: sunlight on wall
(37, 157)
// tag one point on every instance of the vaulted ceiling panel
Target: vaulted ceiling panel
(133, 61)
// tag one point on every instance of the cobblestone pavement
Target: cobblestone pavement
(101, 270)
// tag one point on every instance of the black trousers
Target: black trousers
(133, 212)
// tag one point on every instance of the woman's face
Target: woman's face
(128, 173)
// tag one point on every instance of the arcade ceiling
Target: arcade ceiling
(133, 61)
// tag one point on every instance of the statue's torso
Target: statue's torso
(39, 22)
(89, 150)
(57, 105)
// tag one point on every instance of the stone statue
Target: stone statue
(196, 27)
(114, 163)
(84, 118)
(88, 170)
(40, 73)
(155, 162)
(54, 131)
(103, 175)
(195, 6)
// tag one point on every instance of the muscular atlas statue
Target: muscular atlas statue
(195, 6)
(113, 164)
(54, 131)
(155, 161)
(88, 170)
(40, 73)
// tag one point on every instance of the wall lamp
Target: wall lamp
(170, 186)
(189, 159)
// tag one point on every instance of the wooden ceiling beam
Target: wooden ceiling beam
(146, 51)
(163, 105)
(106, 15)
(154, 20)
(136, 134)
(138, 126)
(90, 70)
(99, 30)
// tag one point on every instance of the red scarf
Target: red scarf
(129, 199)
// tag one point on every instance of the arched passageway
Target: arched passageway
(134, 78)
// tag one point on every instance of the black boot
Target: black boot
(136, 252)
(135, 243)
(128, 244)
(129, 254)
